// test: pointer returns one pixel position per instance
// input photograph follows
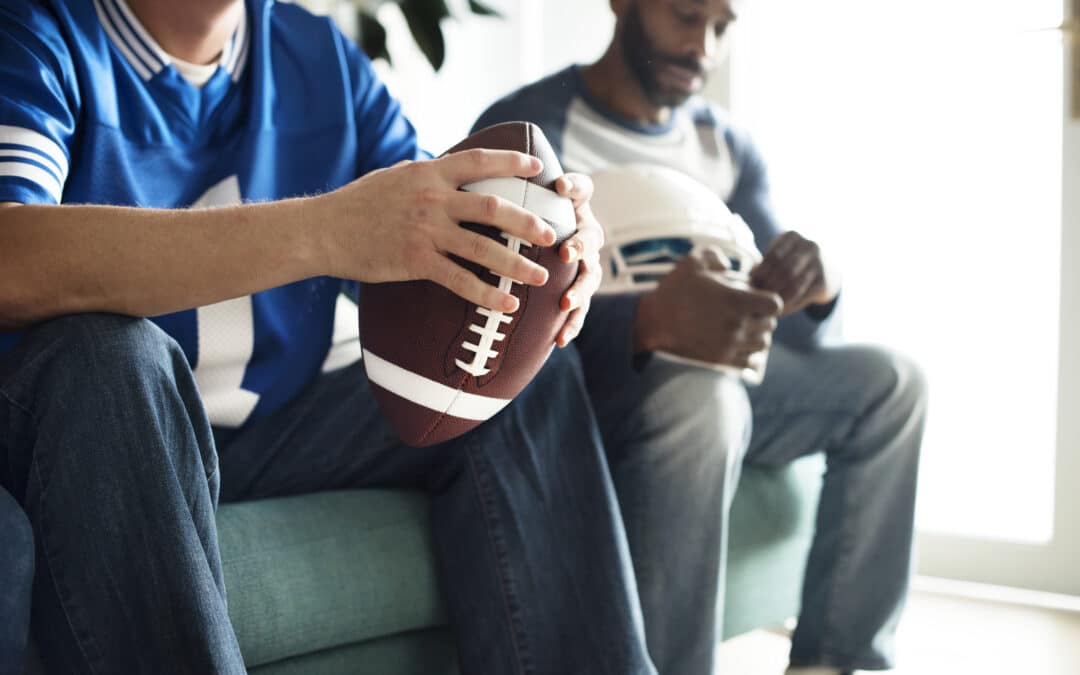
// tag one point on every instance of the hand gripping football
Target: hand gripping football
(440, 365)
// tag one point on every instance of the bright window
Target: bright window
(921, 142)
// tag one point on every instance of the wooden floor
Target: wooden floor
(945, 635)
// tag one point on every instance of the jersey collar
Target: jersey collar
(147, 57)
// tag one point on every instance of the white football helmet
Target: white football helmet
(652, 216)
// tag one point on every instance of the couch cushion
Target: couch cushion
(772, 524)
(320, 571)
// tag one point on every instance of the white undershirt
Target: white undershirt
(195, 73)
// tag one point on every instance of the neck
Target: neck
(190, 30)
(611, 82)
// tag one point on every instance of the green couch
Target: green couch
(344, 582)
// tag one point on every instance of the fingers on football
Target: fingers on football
(576, 186)
(467, 285)
(586, 239)
(494, 256)
(587, 282)
(498, 212)
(469, 166)
(572, 328)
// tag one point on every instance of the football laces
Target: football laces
(489, 331)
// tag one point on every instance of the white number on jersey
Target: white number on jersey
(226, 333)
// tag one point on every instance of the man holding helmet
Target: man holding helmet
(678, 320)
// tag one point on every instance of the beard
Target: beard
(646, 62)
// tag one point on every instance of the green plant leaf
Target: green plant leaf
(424, 18)
(372, 37)
(482, 9)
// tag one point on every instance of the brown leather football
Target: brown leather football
(440, 365)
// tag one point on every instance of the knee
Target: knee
(699, 415)
(895, 379)
(112, 379)
(103, 351)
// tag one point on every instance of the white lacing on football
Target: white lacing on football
(489, 332)
(541, 202)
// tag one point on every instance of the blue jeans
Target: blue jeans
(676, 438)
(105, 440)
(16, 575)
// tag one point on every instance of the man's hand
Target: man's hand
(584, 247)
(401, 223)
(794, 268)
(698, 312)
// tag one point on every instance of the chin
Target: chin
(670, 99)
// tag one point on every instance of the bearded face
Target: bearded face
(671, 45)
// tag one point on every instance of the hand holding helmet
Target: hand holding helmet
(674, 240)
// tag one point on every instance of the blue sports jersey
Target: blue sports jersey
(92, 111)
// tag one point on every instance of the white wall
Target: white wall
(485, 57)
(488, 57)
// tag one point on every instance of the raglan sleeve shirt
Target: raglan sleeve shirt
(38, 106)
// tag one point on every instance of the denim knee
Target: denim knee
(103, 381)
(118, 344)
(92, 357)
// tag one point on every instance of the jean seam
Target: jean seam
(504, 582)
(16, 404)
(53, 575)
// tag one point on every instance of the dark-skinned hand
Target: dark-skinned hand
(698, 311)
(794, 268)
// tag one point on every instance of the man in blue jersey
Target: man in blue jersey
(119, 433)
(675, 434)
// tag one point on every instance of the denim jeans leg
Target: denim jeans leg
(16, 576)
(106, 444)
(530, 531)
(866, 408)
(529, 544)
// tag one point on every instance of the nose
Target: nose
(705, 47)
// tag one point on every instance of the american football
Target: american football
(440, 365)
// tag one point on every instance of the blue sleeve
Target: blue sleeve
(751, 200)
(384, 135)
(38, 106)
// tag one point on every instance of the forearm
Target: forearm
(57, 260)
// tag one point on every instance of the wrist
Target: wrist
(648, 326)
(314, 243)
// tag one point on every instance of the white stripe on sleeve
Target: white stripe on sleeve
(39, 142)
(34, 174)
